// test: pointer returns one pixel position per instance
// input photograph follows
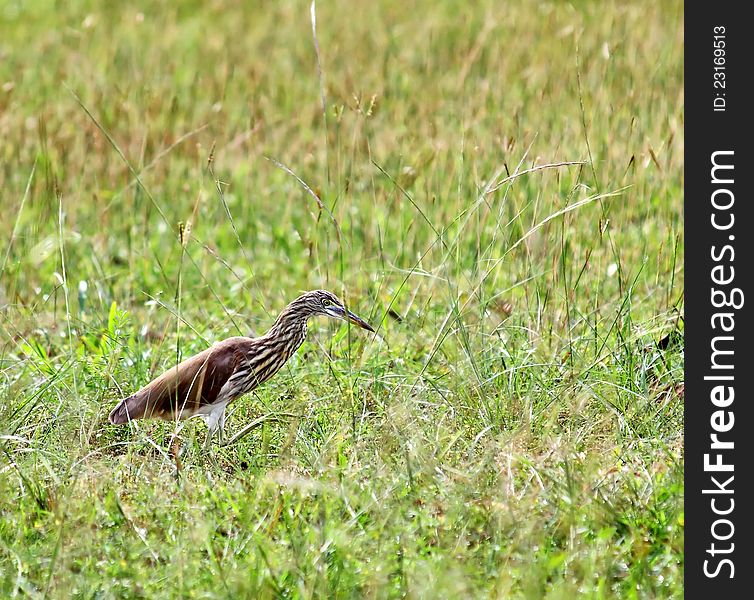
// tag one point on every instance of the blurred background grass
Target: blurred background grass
(515, 429)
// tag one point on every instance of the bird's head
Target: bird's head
(322, 302)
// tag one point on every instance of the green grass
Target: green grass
(515, 429)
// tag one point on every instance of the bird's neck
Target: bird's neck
(289, 329)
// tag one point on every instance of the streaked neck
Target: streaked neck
(289, 327)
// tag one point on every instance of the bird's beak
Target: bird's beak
(359, 321)
(341, 313)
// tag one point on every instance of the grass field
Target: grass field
(175, 173)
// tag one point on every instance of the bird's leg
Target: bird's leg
(221, 427)
(211, 429)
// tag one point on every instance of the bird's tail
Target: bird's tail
(127, 410)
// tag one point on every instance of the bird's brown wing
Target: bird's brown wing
(182, 390)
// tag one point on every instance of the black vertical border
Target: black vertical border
(707, 131)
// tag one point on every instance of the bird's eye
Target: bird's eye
(326, 303)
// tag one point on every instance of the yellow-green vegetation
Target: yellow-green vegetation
(168, 177)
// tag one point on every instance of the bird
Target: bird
(207, 382)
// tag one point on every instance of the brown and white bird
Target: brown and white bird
(207, 382)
